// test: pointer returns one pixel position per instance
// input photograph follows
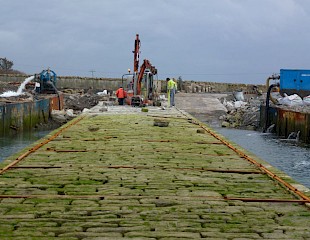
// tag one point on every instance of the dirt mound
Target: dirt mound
(78, 102)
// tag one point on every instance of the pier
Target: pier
(114, 174)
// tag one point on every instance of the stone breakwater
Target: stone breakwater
(115, 175)
(99, 84)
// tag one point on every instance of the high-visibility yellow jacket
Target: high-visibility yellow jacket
(171, 85)
(175, 85)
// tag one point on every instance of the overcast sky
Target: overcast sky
(242, 41)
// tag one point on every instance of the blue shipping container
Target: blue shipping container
(294, 80)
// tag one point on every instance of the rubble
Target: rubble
(79, 101)
(241, 114)
(246, 114)
(62, 116)
(75, 102)
(290, 102)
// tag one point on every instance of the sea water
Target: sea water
(10, 145)
(288, 156)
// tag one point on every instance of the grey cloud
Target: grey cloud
(210, 40)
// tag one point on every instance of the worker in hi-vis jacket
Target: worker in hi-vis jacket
(121, 94)
(171, 88)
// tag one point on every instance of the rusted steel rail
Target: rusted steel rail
(257, 164)
(155, 150)
(188, 169)
(265, 200)
(178, 141)
(66, 150)
(32, 167)
(237, 171)
(35, 148)
(102, 197)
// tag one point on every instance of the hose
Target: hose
(267, 105)
(57, 92)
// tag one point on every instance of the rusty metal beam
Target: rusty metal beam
(211, 198)
(30, 167)
(170, 117)
(265, 200)
(65, 150)
(187, 169)
(163, 168)
(173, 140)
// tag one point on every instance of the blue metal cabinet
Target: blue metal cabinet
(295, 79)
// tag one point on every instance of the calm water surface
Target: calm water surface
(288, 157)
(11, 145)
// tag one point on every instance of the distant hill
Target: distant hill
(11, 71)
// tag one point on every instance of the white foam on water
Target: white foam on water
(19, 90)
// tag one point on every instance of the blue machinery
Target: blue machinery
(46, 81)
(46, 84)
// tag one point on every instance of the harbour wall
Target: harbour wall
(287, 121)
(99, 84)
(23, 116)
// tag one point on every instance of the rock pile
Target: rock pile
(78, 102)
(242, 114)
(62, 116)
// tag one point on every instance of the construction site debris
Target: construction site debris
(292, 100)
(62, 116)
(241, 114)
(306, 100)
(78, 101)
(238, 95)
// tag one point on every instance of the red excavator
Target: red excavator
(140, 85)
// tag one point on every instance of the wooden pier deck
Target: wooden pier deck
(114, 175)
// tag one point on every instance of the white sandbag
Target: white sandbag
(70, 113)
(238, 96)
(86, 110)
(239, 104)
(104, 92)
(292, 100)
(306, 100)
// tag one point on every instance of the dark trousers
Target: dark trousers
(121, 101)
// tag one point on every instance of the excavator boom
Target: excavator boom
(140, 85)
(136, 53)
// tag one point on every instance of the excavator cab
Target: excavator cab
(147, 85)
(139, 93)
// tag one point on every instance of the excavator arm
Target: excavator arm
(146, 65)
(136, 53)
